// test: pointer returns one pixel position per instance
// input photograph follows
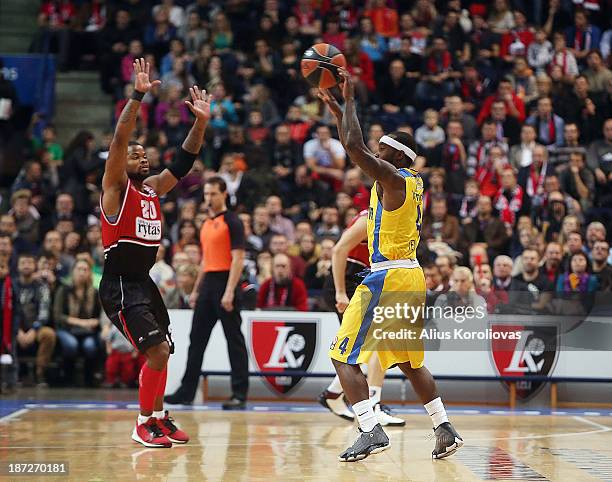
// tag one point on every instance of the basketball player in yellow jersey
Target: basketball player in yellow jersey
(370, 322)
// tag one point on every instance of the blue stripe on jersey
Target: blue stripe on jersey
(406, 173)
(375, 282)
(376, 254)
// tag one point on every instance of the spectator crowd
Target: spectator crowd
(510, 102)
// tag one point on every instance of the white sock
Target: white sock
(161, 414)
(143, 419)
(335, 386)
(436, 411)
(365, 415)
(375, 393)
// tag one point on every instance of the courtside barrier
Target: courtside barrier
(512, 381)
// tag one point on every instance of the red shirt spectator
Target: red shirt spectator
(514, 104)
(363, 70)
(487, 178)
(513, 39)
(510, 198)
(353, 186)
(333, 35)
(307, 17)
(298, 127)
(282, 290)
(438, 61)
(359, 64)
(385, 19)
(57, 13)
(515, 42)
(473, 90)
(97, 16)
(489, 174)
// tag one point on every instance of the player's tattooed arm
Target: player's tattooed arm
(128, 115)
(372, 165)
(115, 177)
(167, 179)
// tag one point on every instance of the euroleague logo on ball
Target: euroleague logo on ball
(320, 65)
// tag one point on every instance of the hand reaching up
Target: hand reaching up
(141, 82)
(200, 103)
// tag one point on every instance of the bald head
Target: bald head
(281, 269)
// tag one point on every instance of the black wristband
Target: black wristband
(183, 162)
(136, 95)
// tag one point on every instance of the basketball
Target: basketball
(320, 65)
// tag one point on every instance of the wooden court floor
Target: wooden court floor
(280, 446)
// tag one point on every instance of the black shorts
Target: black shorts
(353, 278)
(137, 309)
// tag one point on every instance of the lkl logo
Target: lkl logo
(535, 353)
(283, 346)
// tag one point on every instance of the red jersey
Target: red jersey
(360, 253)
(131, 241)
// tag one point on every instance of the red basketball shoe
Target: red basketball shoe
(171, 431)
(150, 434)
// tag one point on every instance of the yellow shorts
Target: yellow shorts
(385, 315)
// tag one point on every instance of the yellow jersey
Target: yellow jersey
(394, 235)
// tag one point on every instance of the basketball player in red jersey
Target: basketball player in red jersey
(131, 233)
(350, 262)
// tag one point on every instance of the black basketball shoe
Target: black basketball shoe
(448, 441)
(368, 443)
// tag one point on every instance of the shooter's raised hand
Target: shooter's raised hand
(348, 88)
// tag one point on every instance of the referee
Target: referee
(216, 297)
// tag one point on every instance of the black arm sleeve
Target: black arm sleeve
(183, 162)
(236, 230)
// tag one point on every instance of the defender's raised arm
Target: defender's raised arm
(115, 176)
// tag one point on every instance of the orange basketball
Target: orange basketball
(320, 65)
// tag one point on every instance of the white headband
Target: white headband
(399, 146)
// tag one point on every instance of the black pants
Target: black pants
(354, 275)
(207, 311)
